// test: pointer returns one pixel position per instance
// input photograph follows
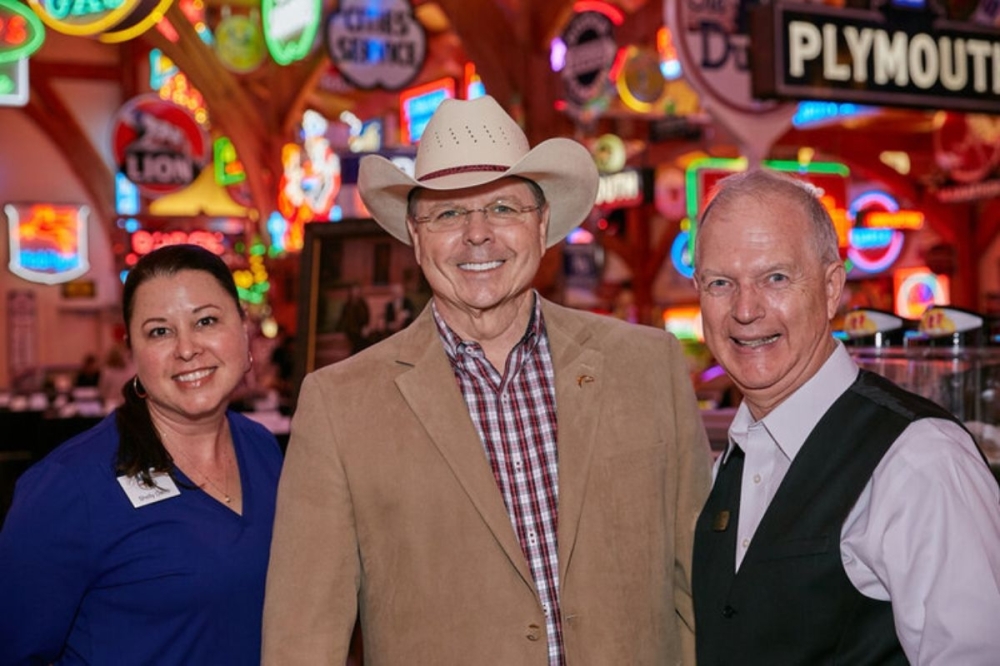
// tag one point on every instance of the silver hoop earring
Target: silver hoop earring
(135, 387)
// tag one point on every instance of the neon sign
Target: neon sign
(146, 14)
(621, 189)
(252, 283)
(14, 86)
(873, 249)
(21, 31)
(239, 43)
(918, 289)
(161, 68)
(911, 220)
(126, 196)
(473, 83)
(638, 78)
(158, 145)
(143, 242)
(48, 243)
(588, 50)
(376, 44)
(277, 228)
(680, 252)
(310, 180)
(417, 105)
(814, 113)
(228, 168)
(290, 26)
(889, 241)
(365, 137)
(82, 17)
(830, 178)
(684, 322)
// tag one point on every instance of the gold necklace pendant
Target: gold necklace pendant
(206, 478)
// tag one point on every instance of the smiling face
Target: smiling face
(480, 269)
(190, 345)
(767, 298)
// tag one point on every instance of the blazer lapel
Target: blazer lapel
(579, 391)
(430, 390)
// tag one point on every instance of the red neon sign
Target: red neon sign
(417, 105)
(143, 242)
(48, 243)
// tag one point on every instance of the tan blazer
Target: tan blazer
(387, 507)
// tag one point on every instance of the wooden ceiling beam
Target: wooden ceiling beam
(61, 69)
(48, 111)
(238, 114)
(492, 43)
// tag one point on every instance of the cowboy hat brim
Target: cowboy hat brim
(562, 168)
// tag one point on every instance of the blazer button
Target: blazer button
(728, 612)
(534, 632)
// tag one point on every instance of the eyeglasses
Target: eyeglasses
(498, 214)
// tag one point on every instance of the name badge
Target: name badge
(140, 495)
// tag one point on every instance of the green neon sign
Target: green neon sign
(21, 31)
(228, 169)
(290, 27)
(692, 183)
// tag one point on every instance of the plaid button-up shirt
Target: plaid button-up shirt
(515, 414)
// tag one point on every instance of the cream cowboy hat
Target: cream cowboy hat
(469, 143)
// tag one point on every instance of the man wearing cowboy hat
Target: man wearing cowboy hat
(506, 481)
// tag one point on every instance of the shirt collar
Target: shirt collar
(790, 423)
(453, 344)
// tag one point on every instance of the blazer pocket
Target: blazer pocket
(802, 547)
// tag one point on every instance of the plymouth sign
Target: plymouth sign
(893, 56)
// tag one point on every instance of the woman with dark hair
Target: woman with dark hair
(145, 539)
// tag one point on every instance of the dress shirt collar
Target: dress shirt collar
(454, 345)
(790, 423)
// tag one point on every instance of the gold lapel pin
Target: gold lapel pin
(584, 379)
(721, 521)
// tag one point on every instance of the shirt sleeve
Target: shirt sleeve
(925, 535)
(45, 565)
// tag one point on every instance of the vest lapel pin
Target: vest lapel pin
(721, 521)
(583, 379)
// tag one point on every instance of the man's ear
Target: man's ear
(836, 277)
(411, 229)
(544, 226)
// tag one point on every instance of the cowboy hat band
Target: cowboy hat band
(465, 169)
(470, 143)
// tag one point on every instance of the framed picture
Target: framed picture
(357, 285)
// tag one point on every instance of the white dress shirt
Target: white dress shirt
(924, 533)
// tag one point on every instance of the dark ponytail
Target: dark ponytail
(140, 450)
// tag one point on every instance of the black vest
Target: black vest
(791, 601)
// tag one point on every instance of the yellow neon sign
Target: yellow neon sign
(82, 17)
(136, 23)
